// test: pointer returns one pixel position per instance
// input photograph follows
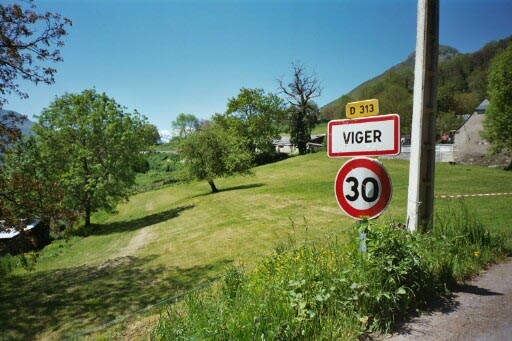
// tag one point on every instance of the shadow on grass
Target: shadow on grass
(234, 188)
(62, 303)
(131, 225)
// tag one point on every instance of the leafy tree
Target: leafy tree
(303, 114)
(12, 206)
(28, 39)
(300, 125)
(150, 132)
(255, 117)
(498, 117)
(185, 124)
(213, 152)
(26, 193)
(465, 103)
(91, 147)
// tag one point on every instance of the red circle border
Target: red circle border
(385, 197)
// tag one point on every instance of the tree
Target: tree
(11, 205)
(91, 147)
(150, 132)
(25, 193)
(184, 125)
(303, 114)
(255, 117)
(27, 41)
(498, 117)
(213, 152)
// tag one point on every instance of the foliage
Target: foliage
(9, 263)
(23, 193)
(27, 192)
(214, 152)
(332, 290)
(336, 109)
(255, 117)
(88, 144)
(150, 132)
(498, 118)
(27, 39)
(184, 125)
(303, 113)
(395, 96)
(9, 134)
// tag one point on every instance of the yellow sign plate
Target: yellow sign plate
(369, 107)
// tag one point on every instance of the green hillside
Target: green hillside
(462, 85)
(165, 242)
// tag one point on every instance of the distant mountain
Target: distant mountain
(446, 53)
(25, 126)
(462, 85)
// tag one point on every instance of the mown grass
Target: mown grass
(164, 242)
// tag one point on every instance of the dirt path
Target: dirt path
(480, 310)
(143, 236)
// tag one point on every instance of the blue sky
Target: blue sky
(167, 57)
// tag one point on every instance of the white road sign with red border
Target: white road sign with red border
(363, 188)
(366, 136)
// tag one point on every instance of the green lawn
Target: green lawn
(164, 242)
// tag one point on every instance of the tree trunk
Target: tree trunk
(87, 216)
(212, 185)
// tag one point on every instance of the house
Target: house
(34, 236)
(469, 147)
(285, 146)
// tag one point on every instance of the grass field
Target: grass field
(165, 242)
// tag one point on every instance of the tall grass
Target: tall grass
(331, 290)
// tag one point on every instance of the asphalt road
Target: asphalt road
(479, 310)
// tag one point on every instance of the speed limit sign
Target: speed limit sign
(363, 188)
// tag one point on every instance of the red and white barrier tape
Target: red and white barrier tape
(456, 196)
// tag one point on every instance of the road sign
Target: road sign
(362, 188)
(366, 136)
(369, 107)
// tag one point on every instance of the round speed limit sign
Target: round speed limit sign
(363, 188)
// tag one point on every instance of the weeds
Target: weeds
(9, 263)
(331, 290)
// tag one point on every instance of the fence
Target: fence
(444, 153)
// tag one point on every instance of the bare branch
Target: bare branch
(26, 38)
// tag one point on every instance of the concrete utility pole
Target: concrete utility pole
(420, 202)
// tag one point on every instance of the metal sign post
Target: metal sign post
(420, 201)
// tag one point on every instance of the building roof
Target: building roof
(482, 107)
(12, 232)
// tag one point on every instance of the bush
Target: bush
(9, 263)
